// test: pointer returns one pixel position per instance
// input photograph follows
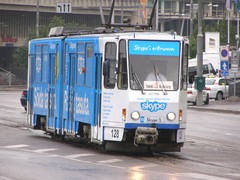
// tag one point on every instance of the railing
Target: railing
(6, 77)
(185, 14)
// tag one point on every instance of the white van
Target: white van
(208, 69)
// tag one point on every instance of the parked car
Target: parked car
(192, 95)
(217, 88)
(23, 99)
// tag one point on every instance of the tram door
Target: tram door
(54, 75)
(72, 70)
(68, 93)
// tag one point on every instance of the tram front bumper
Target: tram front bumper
(145, 136)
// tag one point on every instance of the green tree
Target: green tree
(21, 54)
(21, 57)
(212, 26)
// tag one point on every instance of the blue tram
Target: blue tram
(111, 88)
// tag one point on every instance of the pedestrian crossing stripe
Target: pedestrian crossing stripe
(43, 150)
(16, 146)
(74, 156)
(144, 166)
(109, 161)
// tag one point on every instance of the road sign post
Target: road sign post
(235, 68)
(224, 61)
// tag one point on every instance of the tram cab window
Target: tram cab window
(122, 78)
(109, 66)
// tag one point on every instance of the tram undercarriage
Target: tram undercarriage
(142, 139)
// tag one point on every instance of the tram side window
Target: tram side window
(81, 64)
(109, 66)
(45, 64)
(122, 79)
(42, 64)
(38, 64)
(89, 65)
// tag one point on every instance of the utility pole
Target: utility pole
(191, 18)
(155, 18)
(237, 49)
(199, 50)
(37, 20)
(122, 11)
(156, 14)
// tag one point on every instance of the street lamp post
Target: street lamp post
(199, 50)
(37, 19)
(191, 17)
(237, 49)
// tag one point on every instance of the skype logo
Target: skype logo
(153, 106)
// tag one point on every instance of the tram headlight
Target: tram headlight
(171, 116)
(135, 115)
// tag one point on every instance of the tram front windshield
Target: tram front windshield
(154, 65)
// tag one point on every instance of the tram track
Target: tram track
(181, 161)
(195, 139)
(198, 163)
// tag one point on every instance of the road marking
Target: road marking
(109, 161)
(54, 155)
(4, 178)
(16, 146)
(228, 134)
(43, 150)
(199, 176)
(74, 156)
(139, 168)
(236, 175)
(144, 166)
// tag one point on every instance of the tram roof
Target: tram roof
(115, 33)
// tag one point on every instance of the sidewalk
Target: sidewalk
(12, 88)
(230, 105)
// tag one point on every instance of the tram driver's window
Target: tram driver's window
(109, 66)
(122, 66)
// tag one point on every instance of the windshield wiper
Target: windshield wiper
(157, 75)
(136, 79)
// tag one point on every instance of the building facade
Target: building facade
(20, 18)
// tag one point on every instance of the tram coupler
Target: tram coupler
(145, 136)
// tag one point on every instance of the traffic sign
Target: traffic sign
(235, 61)
(224, 54)
(64, 8)
(224, 68)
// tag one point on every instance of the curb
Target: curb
(12, 88)
(227, 111)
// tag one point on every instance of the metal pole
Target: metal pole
(156, 13)
(191, 18)
(237, 29)
(199, 50)
(237, 39)
(155, 17)
(228, 28)
(37, 20)
(122, 12)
